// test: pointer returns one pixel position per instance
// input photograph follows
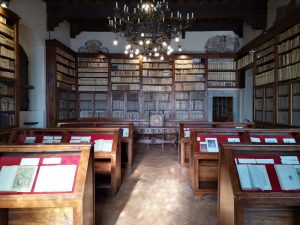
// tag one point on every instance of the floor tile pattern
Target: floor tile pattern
(156, 191)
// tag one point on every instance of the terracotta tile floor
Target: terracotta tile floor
(156, 191)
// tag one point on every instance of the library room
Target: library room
(149, 112)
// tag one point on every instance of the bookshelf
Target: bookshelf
(93, 75)
(9, 72)
(222, 72)
(61, 83)
(125, 74)
(276, 66)
(190, 87)
(296, 104)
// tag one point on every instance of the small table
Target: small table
(158, 135)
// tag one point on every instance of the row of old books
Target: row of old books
(65, 61)
(245, 61)
(221, 65)
(93, 81)
(66, 55)
(161, 65)
(6, 90)
(62, 77)
(289, 44)
(157, 73)
(7, 41)
(190, 78)
(65, 70)
(222, 76)
(125, 73)
(265, 67)
(125, 87)
(289, 72)
(265, 78)
(289, 58)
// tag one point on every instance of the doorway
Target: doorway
(222, 109)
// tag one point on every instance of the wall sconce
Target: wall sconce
(4, 3)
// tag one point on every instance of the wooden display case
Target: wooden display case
(61, 79)
(204, 166)
(237, 206)
(107, 164)
(127, 136)
(73, 205)
(185, 139)
(9, 69)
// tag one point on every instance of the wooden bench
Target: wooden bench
(107, 164)
(204, 166)
(184, 135)
(126, 137)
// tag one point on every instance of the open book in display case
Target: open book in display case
(46, 184)
(271, 195)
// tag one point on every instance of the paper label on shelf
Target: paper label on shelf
(198, 139)
(186, 133)
(271, 140)
(30, 161)
(289, 140)
(234, 140)
(247, 161)
(47, 141)
(55, 178)
(265, 161)
(212, 144)
(56, 160)
(75, 141)
(255, 140)
(47, 137)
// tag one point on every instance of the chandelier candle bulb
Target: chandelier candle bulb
(124, 7)
(116, 5)
(192, 15)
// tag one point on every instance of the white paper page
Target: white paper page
(47, 137)
(29, 140)
(47, 141)
(55, 178)
(212, 144)
(98, 146)
(255, 140)
(244, 177)
(7, 177)
(259, 177)
(289, 140)
(75, 141)
(76, 138)
(57, 137)
(125, 132)
(289, 160)
(234, 140)
(24, 178)
(186, 133)
(271, 140)
(198, 139)
(247, 161)
(107, 145)
(29, 161)
(265, 161)
(86, 139)
(288, 177)
(56, 160)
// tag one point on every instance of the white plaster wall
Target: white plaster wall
(228, 92)
(247, 97)
(32, 35)
(194, 42)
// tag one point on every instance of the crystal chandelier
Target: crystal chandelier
(149, 28)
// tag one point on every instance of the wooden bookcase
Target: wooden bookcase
(61, 88)
(237, 206)
(9, 69)
(68, 207)
(276, 66)
(93, 80)
(222, 72)
(116, 87)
